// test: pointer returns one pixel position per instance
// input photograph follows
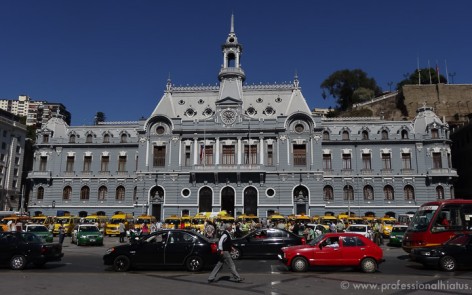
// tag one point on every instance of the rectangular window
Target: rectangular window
(208, 155)
(159, 159)
(406, 160)
(87, 163)
(299, 155)
(434, 133)
(366, 162)
(104, 164)
(270, 155)
(250, 154)
(45, 138)
(187, 156)
(449, 161)
(437, 163)
(42, 163)
(386, 161)
(347, 162)
(70, 164)
(228, 155)
(327, 165)
(122, 164)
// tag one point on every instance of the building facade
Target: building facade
(241, 148)
(36, 112)
(12, 152)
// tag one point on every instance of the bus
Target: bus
(436, 222)
(405, 219)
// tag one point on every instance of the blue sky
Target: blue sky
(115, 56)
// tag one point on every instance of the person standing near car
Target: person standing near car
(61, 233)
(224, 249)
(122, 230)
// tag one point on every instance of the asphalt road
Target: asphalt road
(82, 272)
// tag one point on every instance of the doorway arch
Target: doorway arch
(227, 200)
(250, 200)
(204, 199)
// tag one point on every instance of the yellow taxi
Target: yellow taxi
(42, 219)
(172, 221)
(144, 219)
(198, 221)
(67, 221)
(112, 227)
(14, 219)
(278, 220)
(224, 217)
(326, 220)
(387, 223)
(99, 220)
(185, 221)
(248, 218)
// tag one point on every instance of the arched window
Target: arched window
(345, 135)
(409, 192)
(124, 137)
(404, 134)
(388, 193)
(102, 193)
(89, 138)
(120, 193)
(325, 135)
(384, 134)
(348, 193)
(328, 194)
(40, 194)
(365, 135)
(72, 138)
(368, 193)
(85, 193)
(66, 193)
(106, 138)
(434, 133)
(440, 192)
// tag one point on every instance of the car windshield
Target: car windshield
(89, 228)
(316, 240)
(460, 240)
(390, 222)
(142, 220)
(421, 220)
(399, 229)
(116, 221)
(63, 220)
(30, 238)
(198, 221)
(357, 228)
(37, 228)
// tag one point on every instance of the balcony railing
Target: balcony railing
(443, 171)
(39, 174)
(227, 167)
(386, 171)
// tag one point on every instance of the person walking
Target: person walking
(122, 230)
(61, 233)
(224, 248)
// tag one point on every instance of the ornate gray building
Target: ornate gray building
(241, 148)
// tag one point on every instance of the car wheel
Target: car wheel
(121, 263)
(194, 263)
(18, 262)
(368, 265)
(447, 263)
(299, 264)
(235, 253)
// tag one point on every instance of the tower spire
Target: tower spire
(232, 24)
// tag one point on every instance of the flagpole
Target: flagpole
(429, 69)
(447, 74)
(419, 72)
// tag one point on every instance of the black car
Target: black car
(168, 247)
(18, 249)
(456, 252)
(265, 242)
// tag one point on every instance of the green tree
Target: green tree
(426, 76)
(99, 117)
(342, 84)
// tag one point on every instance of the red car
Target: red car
(334, 249)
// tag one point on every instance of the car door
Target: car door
(327, 255)
(8, 246)
(353, 249)
(149, 251)
(179, 247)
(254, 244)
(275, 240)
